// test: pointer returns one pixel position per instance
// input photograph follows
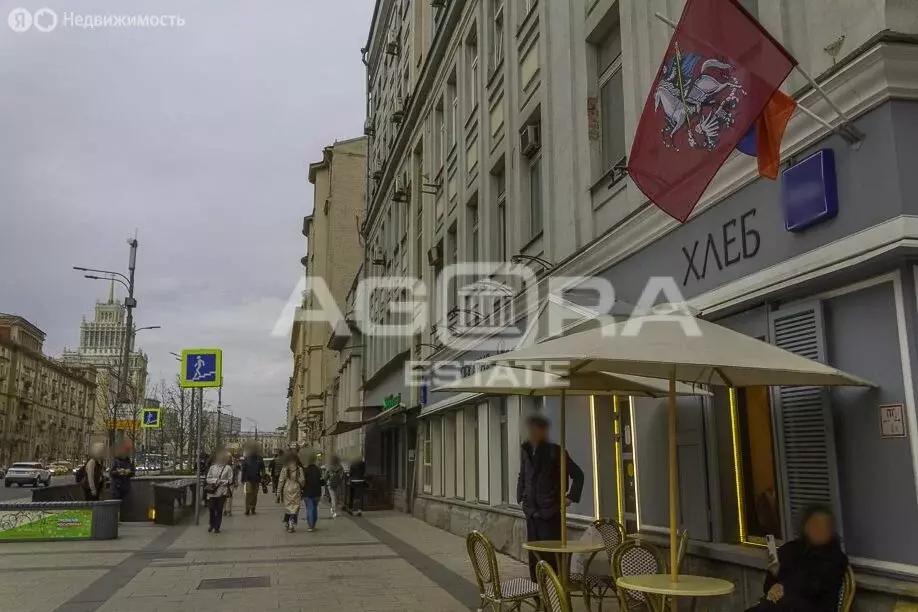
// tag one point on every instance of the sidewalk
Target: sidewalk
(383, 561)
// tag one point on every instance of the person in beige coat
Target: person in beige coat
(290, 490)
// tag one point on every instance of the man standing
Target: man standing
(93, 473)
(253, 474)
(538, 488)
(122, 471)
(276, 466)
(357, 483)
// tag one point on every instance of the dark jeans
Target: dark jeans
(538, 529)
(251, 496)
(355, 503)
(215, 504)
(290, 519)
(274, 480)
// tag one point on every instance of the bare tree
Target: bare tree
(177, 418)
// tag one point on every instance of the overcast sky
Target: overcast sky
(199, 137)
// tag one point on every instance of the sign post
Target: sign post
(201, 368)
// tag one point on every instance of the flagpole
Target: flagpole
(853, 134)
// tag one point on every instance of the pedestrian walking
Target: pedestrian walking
(356, 485)
(91, 476)
(122, 471)
(228, 507)
(291, 481)
(312, 492)
(217, 484)
(538, 487)
(253, 474)
(276, 467)
(334, 478)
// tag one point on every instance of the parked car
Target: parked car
(61, 468)
(27, 472)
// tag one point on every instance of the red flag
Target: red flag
(719, 72)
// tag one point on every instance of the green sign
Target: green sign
(20, 525)
(391, 401)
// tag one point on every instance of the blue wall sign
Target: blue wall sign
(809, 191)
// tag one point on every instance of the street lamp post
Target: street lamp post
(130, 303)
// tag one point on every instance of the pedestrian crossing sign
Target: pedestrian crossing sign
(201, 368)
(150, 418)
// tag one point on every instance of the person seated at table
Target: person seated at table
(538, 487)
(809, 571)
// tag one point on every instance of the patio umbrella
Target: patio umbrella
(678, 348)
(503, 380)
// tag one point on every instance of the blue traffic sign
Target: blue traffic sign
(149, 418)
(201, 368)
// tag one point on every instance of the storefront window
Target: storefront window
(754, 459)
(504, 454)
(428, 454)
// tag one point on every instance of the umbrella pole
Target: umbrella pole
(673, 486)
(563, 436)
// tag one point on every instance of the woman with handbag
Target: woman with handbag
(217, 483)
(290, 490)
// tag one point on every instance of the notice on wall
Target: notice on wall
(892, 421)
(20, 525)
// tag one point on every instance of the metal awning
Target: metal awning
(450, 402)
(341, 427)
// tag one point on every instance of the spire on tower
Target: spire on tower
(111, 292)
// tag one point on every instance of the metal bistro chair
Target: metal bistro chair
(493, 592)
(846, 593)
(634, 558)
(595, 586)
(550, 590)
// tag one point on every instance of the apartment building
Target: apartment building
(334, 254)
(498, 131)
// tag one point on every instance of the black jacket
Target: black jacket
(313, 486)
(121, 482)
(253, 469)
(811, 576)
(538, 488)
(358, 470)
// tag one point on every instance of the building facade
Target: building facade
(498, 133)
(334, 255)
(45, 407)
(101, 346)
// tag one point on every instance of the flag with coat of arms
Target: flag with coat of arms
(719, 73)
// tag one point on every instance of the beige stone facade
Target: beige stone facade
(46, 408)
(334, 254)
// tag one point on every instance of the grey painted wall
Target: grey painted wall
(876, 480)
(391, 384)
(579, 444)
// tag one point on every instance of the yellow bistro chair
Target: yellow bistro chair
(554, 599)
(494, 593)
(596, 586)
(633, 558)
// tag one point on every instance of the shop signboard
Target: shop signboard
(22, 525)
(391, 401)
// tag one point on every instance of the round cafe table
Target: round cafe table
(563, 550)
(688, 585)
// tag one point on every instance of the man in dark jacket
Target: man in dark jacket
(122, 471)
(538, 488)
(312, 492)
(276, 466)
(356, 484)
(253, 474)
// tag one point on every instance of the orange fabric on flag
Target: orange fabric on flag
(770, 128)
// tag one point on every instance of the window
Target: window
(504, 453)
(501, 181)
(473, 232)
(752, 6)
(452, 257)
(439, 137)
(611, 99)
(453, 97)
(535, 197)
(471, 59)
(497, 35)
(757, 481)
(428, 455)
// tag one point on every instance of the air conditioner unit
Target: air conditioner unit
(369, 128)
(435, 255)
(377, 175)
(531, 140)
(438, 4)
(398, 115)
(401, 191)
(392, 46)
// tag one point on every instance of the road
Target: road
(16, 492)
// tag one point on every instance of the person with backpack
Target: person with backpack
(217, 484)
(91, 475)
(312, 492)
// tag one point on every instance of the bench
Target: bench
(173, 500)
